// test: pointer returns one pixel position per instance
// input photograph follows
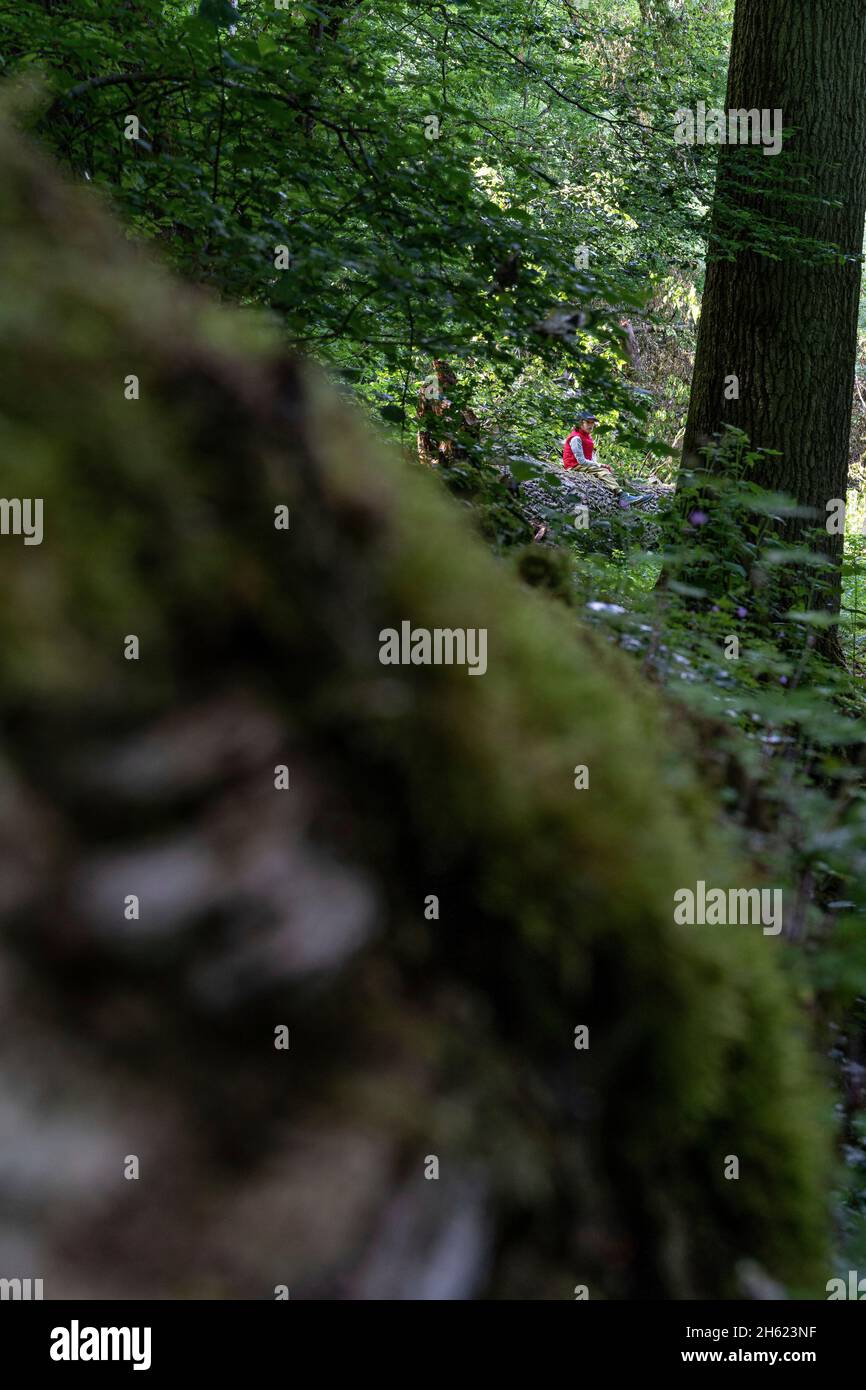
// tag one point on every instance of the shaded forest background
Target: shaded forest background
(475, 218)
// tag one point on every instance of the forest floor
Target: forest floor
(567, 492)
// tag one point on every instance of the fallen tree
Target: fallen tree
(320, 974)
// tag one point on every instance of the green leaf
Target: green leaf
(814, 617)
(217, 12)
(523, 468)
(686, 590)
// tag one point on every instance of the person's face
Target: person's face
(589, 425)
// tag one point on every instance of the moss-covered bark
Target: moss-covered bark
(259, 907)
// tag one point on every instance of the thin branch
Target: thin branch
(295, 105)
(221, 123)
(545, 81)
(114, 79)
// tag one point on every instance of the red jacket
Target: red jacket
(568, 459)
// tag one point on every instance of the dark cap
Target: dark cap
(587, 415)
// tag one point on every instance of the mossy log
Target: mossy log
(153, 1037)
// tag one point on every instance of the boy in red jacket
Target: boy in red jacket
(579, 450)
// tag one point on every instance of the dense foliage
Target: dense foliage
(447, 180)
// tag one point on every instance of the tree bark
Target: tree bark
(787, 328)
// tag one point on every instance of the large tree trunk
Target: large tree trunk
(787, 328)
